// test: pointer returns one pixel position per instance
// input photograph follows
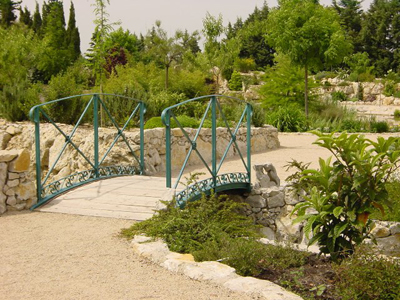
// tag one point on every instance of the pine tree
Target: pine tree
(380, 35)
(7, 9)
(72, 35)
(37, 20)
(25, 16)
(350, 13)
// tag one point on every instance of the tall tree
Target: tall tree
(7, 9)
(73, 39)
(37, 20)
(350, 13)
(309, 34)
(380, 35)
(166, 50)
(25, 16)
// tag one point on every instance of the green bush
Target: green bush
(245, 65)
(324, 74)
(379, 126)
(366, 276)
(339, 96)
(186, 230)
(351, 125)
(287, 119)
(344, 193)
(389, 89)
(392, 212)
(185, 121)
(235, 83)
(397, 114)
(258, 118)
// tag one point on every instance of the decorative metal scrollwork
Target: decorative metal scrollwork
(204, 186)
(82, 177)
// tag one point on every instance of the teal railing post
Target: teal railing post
(36, 118)
(214, 139)
(248, 117)
(96, 133)
(142, 111)
(168, 148)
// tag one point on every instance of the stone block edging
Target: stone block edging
(215, 272)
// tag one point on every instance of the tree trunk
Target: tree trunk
(166, 76)
(306, 90)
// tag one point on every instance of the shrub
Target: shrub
(351, 125)
(324, 74)
(344, 193)
(235, 83)
(397, 114)
(258, 118)
(287, 119)
(389, 89)
(392, 212)
(366, 276)
(187, 230)
(339, 96)
(185, 121)
(379, 126)
(245, 65)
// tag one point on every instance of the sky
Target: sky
(140, 15)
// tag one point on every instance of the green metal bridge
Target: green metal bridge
(99, 111)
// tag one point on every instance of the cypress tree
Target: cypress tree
(37, 20)
(25, 16)
(72, 35)
(7, 9)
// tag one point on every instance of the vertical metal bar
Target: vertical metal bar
(142, 109)
(37, 150)
(96, 133)
(249, 114)
(214, 138)
(168, 149)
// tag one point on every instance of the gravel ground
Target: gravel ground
(56, 256)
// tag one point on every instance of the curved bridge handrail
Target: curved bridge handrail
(31, 111)
(214, 106)
(45, 190)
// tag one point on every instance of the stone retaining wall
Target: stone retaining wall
(17, 189)
(270, 205)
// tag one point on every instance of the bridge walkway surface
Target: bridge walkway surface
(128, 197)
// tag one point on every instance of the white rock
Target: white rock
(395, 229)
(8, 155)
(12, 130)
(210, 271)
(260, 288)
(26, 190)
(3, 175)
(390, 245)
(3, 208)
(12, 201)
(12, 176)
(268, 233)
(155, 251)
(276, 201)
(13, 183)
(3, 198)
(4, 139)
(256, 201)
(380, 231)
(140, 239)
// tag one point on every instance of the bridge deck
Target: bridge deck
(130, 197)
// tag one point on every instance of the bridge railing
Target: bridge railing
(217, 181)
(94, 108)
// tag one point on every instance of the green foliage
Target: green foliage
(186, 230)
(397, 114)
(344, 193)
(392, 212)
(157, 102)
(287, 119)
(284, 84)
(390, 88)
(379, 126)
(258, 118)
(366, 276)
(324, 74)
(7, 9)
(185, 121)
(245, 65)
(235, 84)
(360, 68)
(339, 96)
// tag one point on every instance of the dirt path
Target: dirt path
(56, 256)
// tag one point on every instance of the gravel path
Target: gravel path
(56, 256)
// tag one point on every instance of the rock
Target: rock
(21, 163)
(390, 245)
(291, 197)
(380, 231)
(12, 201)
(266, 175)
(260, 288)
(10, 192)
(8, 155)
(256, 201)
(12, 176)
(176, 262)
(31, 202)
(387, 100)
(3, 198)
(286, 229)
(26, 190)
(3, 208)
(4, 139)
(3, 175)
(140, 239)
(276, 201)
(12, 130)
(395, 229)
(12, 183)
(155, 251)
(268, 233)
(210, 271)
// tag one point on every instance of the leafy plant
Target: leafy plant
(344, 193)
(397, 114)
(379, 126)
(339, 96)
(287, 119)
(235, 84)
(185, 121)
